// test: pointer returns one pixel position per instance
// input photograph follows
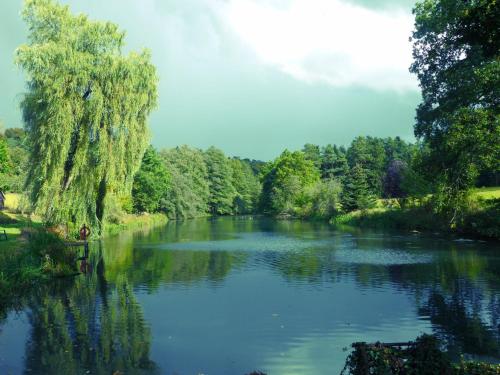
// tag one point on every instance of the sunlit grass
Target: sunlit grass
(134, 222)
(12, 201)
(488, 192)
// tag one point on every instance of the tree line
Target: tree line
(315, 182)
(186, 182)
(86, 157)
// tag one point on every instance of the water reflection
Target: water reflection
(229, 296)
(89, 326)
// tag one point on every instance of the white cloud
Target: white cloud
(327, 41)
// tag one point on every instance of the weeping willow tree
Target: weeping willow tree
(85, 111)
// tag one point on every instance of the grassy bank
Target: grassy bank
(32, 255)
(480, 219)
(134, 222)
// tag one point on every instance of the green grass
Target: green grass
(481, 219)
(487, 193)
(135, 222)
(391, 218)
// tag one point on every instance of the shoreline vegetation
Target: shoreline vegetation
(481, 220)
(34, 254)
(410, 358)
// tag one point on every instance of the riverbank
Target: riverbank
(32, 255)
(29, 257)
(483, 222)
(134, 222)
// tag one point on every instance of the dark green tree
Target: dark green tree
(397, 149)
(333, 162)
(328, 158)
(393, 180)
(220, 182)
(85, 111)
(456, 50)
(312, 153)
(369, 153)
(151, 183)
(356, 194)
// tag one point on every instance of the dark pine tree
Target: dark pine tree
(356, 194)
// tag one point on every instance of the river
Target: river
(235, 295)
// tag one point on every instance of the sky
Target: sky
(254, 77)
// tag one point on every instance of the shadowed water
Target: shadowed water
(233, 295)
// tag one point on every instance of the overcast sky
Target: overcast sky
(256, 76)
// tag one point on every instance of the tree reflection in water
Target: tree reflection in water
(88, 325)
(460, 322)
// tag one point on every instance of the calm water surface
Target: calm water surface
(233, 295)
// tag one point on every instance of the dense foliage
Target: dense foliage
(357, 194)
(316, 182)
(185, 182)
(285, 183)
(151, 183)
(189, 191)
(4, 156)
(13, 160)
(85, 111)
(247, 185)
(306, 183)
(220, 182)
(423, 356)
(456, 50)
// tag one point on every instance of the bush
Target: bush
(484, 220)
(322, 200)
(421, 357)
(55, 257)
(476, 368)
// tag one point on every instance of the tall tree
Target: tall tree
(285, 182)
(328, 159)
(369, 153)
(393, 180)
(222, 192)
(151, 183)
(356, 194)
(247, 187)
(86, 112)
(456, 50)
(189, 192)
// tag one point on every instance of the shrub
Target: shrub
(421, 357)
(55, 257)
